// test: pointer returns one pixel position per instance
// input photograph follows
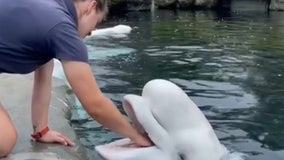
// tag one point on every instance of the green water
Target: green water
(230, 64)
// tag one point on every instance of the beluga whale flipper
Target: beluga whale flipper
(174, 123)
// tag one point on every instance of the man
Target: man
(32, 33)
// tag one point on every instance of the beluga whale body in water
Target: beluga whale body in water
(118, 31)
(174, 123)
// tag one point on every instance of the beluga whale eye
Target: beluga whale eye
(182, 156)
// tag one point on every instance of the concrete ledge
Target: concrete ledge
(15, 95)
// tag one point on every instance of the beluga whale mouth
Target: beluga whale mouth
(174, 123)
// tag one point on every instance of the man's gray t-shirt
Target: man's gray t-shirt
(32, 32)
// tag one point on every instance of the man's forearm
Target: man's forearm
(107, 114)
(96, 104)
(41, 96)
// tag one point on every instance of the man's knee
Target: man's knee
(9, 143)
(8, 133)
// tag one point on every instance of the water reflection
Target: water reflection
(232, 68)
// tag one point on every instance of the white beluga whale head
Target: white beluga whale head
(177, 127)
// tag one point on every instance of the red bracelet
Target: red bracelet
(38, 135)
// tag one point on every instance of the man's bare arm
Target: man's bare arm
(40, 105)
(99, 107)
(41, 96)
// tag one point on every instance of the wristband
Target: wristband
(38, 135)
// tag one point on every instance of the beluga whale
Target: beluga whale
(177, 127)
(118, 31)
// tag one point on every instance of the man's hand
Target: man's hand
(142, 141)
(56, 137)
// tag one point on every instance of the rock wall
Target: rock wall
(131, 5)
(139, 5)
(277, 5)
